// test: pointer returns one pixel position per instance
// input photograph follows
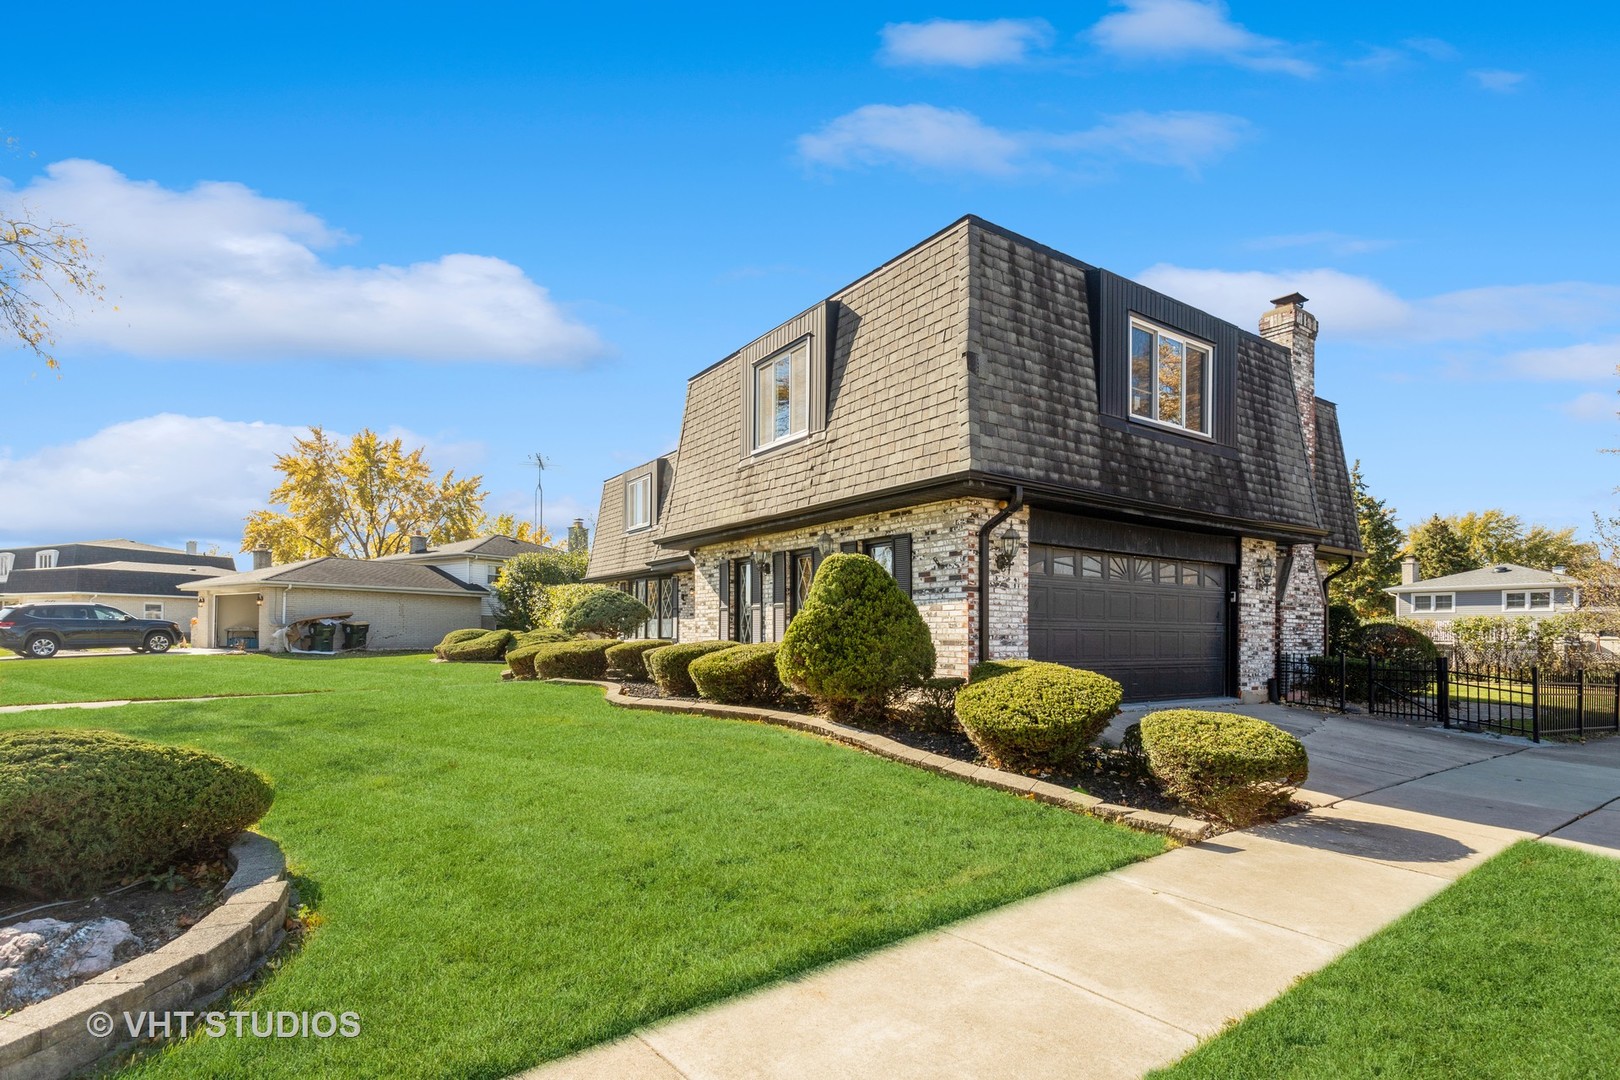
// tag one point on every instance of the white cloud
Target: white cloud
(1335, 242)
(954, 140)
(1585, 361)
(1594, 405)
(1501, 82)
(1190, 29)
(962, 43)
(1353, 307)
(220, 271)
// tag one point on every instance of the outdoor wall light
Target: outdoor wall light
(259, 599)
(1265, 571)
(825, 543)
(1007, 553)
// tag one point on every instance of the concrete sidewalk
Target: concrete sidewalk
(1124, 972)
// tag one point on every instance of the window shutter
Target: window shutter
(902, 562)
(779, 577)
(850, 547)
(815, 561)
(724, 630)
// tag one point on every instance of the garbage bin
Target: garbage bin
(320, 638)
(242, 637)
(355, 635)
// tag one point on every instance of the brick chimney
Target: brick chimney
(191, 547)
(418, 544)
(1291, 326)
(1410, 573)
(261, 558)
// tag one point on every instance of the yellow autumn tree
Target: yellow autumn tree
(362, 500)
(43, 265)
(509, 525)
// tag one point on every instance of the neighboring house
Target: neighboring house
(477, 562)
(141, 579)
(1504, 591)
(403, 604)
(1052, 460)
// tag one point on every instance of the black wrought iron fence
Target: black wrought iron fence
(1526, 702)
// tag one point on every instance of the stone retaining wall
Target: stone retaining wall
(53, 1039)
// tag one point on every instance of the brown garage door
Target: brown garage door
(1158, 626)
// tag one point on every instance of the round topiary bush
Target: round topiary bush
(81, 809)
(745, 675)
(668, 666)
(857, 641)
(1236, 768)
(584, 659)
(1037, 715)
(456, 637)
(629, 658)
(599, 610)
(1394, 643)
(489, 645)
(989, 669)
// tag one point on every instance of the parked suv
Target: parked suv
(40, 630)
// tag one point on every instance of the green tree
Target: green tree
(1362, 586)
(524, 580)
(362, 500)
(1496, 536)
(1440, 550)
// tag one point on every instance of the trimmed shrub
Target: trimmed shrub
(456, 637)
(521, 660)
(541, 637)
(745, 675)
(629, 658)
(524, 581)
(1394, 643)
(989, 669)
(668, 666)
(599, 610)
(585, 659)
(1236, 768)
(490, 645)
(931, 706)
(81, 809)
(1037, 715)
(857, 641)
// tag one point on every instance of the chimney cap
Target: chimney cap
(1292, 298)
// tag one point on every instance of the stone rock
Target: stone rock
(43, 957)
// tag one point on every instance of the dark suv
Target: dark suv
(40, 630)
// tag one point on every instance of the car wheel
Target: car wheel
(42, 647)
(159, 642)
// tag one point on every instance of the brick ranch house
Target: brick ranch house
(1055, 461)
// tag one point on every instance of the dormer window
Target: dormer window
(6, 559)
(638, 502)
(781, 397)
(44, 560)
(1170, 377)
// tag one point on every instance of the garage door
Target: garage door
(1158, 626)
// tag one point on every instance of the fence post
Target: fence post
(1372, 687)
(1344, 678)
(1442, 688)
(1616, 716)
(1535, 703)
(1580, 703)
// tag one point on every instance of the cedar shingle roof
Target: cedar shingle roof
(1334, 496)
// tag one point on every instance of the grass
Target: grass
(136, 677)
(508, 873)
(1511, 972)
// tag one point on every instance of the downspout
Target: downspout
(1327, 615)
(1012, 507)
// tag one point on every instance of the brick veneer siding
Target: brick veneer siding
(944, 577)
(1301, 608)
(1257, 621)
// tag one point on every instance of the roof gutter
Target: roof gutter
(1327, 608)
(1015, 504)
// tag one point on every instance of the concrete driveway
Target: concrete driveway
(1121, 973)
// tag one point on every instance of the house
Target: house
(1053, 460)
(1506, 590)
(142, 579)
(477, 562)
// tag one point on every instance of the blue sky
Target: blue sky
(503, 229)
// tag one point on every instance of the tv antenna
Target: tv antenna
(539, 463)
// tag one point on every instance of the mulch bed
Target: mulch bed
(157, 910)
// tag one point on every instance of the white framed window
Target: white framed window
(1528, 600)
(1434, 602)
(1170, 377)
(44, 560)
(6, 559)
(781, 397)
(638, 503)
(152, 611)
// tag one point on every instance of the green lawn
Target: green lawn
(1512, 972)
(510, 872)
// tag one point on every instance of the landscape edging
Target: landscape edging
(51, 1039)
(1185, 829)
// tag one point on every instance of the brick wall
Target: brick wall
(1257, 619)
(944, 576)
(1301, 608)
